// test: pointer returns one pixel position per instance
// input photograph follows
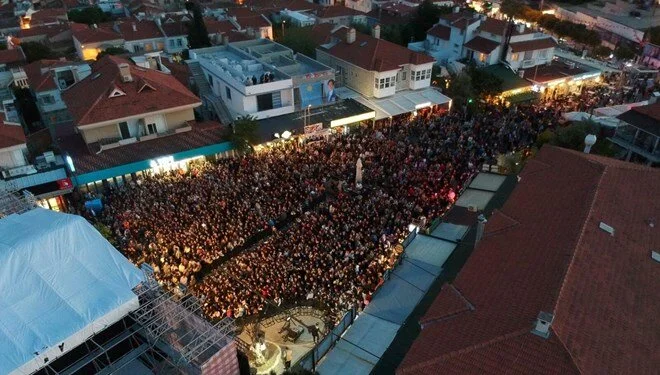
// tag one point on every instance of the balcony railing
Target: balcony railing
(114, 142)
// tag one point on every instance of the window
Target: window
(171, 42)
(264, 102)
(543, 53)
(403, 76)
(228, 93)
(482, 57)
(514, 57)
(123, 130)
(528, 54)
(47, 99)
(138, 48)
(151, 129)
(179, 42)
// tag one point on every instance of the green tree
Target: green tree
(513, 8)
(483, 83)
(572, 137)
(426, 16)
(623, 52)
(37, 51)
(601, 51)
(299, 39)
(460, 90)
(112, 51)
(654, 35)
(89, 15)
(198, 36)
(244, 134)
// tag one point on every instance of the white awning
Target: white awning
(402, 102)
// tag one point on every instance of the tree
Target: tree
(198, 36)
(623, 52)
(37, 51)
(513, 8)
(483, 83)
(112, 51)
(244, 133)
(299, 39)
(460, 90)
(572, 137)
(299, 371)
(601, 51)
(90, 15)
(426, 16)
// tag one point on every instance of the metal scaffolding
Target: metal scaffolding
(166, 335)
(14, 202)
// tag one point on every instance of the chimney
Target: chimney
(589, 141)
(375, 32)
(481, 224)
(457, 9)
(543, 323)
(350, 36)
(134, 27)
(225, 39)
(158, 22)
(125, 71)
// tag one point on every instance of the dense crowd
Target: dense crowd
(333, 253)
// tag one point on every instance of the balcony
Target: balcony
(114, 142)
(46, 168)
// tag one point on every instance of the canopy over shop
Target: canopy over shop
(401, 102)
(314, 122)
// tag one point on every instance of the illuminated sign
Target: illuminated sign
(353, 119)
(165, 160)
(313, 128)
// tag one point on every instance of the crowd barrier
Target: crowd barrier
(312, 358)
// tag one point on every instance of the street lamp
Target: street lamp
(283, 22)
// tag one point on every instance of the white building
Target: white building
(262, 78)
(486, 41)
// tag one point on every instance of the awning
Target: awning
(51, 189)
(402, 102)
(522, 97)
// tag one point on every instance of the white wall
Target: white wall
(423, 83)
(12, 157)
(382, 91)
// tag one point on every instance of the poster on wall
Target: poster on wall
(313, 128)
(329, 92)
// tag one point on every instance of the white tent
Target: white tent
(61, 283)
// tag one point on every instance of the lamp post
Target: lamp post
(283, 22)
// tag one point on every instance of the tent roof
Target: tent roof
(61, 281)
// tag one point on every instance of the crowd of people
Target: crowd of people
(333, 253)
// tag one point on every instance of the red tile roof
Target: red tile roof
(87, 34)
(494, 26)
(399, 9)
(248, 18)
(202, 134)
(481, 44)
(48, 16)
(370, 53)
(10, 56)
(48, 30)
(218, 27)
(11, 135)
(544, 251)
(40, 76)
(461, 19)
(175, 28)
(277, 5)
(136, 30)
(321, 33)
(440, 31)
(532, 45)
(89, 101)
(337, 11)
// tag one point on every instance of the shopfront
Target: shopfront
(99, 181)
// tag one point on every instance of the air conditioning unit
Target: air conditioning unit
(473, 208)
